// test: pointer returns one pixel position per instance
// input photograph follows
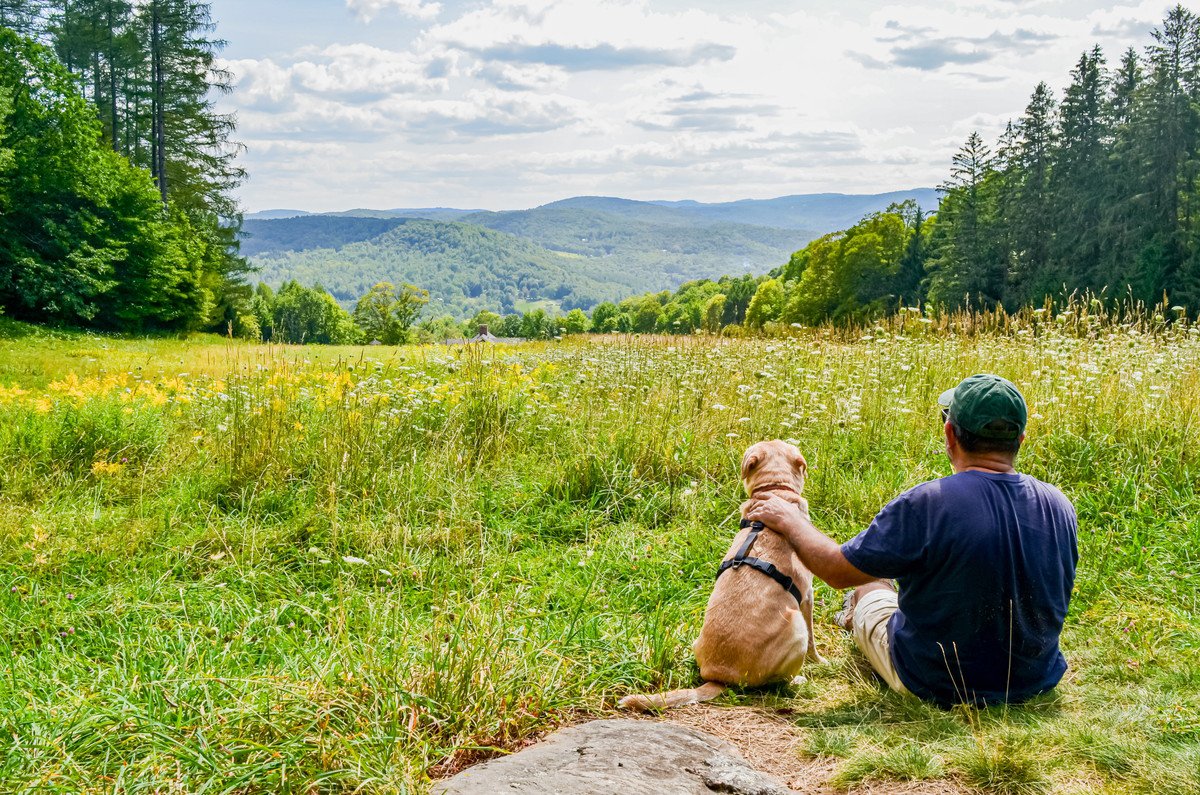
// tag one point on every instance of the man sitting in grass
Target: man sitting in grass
(985, 560)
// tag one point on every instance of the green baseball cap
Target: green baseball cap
(988, 406)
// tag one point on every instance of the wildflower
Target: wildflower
(105, 468)
(353, 560)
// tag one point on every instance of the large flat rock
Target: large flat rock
(606, 757)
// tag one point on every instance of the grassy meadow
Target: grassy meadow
(238, 568)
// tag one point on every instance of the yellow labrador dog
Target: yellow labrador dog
(758, 624)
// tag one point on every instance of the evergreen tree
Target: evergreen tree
(1078, 179)
(95, 40)
(20, 16)
(1031, 225)
(966, 266)
(1123, 199)
(1167, 137)
(192, 158)
(910, 273)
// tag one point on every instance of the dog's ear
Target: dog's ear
(800, 464)
(750, 460)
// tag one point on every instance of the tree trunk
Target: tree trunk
(158, 112)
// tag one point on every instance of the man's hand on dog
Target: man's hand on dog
(774, 511)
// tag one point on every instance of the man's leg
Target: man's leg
(870, 608)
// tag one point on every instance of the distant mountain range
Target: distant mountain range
(569, 253)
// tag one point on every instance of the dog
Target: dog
(756, 631)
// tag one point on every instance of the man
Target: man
(985, 559)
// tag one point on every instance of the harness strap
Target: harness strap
(741, 558)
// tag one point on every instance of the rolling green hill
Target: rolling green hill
(464, 267)
(574, 252)
(678, 246)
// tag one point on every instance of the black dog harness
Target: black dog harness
(769, 569)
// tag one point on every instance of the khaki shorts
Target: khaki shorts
(871, 616)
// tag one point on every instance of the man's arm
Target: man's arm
(821, 554)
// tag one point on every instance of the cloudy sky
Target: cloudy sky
(504, 104)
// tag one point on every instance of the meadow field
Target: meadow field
(239, 568)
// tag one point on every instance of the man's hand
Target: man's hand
(775, 512)
(819, 553)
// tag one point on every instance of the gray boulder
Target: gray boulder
(607, 757)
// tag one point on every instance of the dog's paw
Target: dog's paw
(799, 680)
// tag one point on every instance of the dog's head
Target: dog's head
(773, 465)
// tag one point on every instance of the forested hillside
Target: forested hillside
(116, 173)
(465, 268)
(277, 236)
(621, 247)
(679, 247)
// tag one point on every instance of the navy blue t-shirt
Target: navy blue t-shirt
(986, 564)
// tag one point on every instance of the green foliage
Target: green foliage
(605, 317)
(276, 236)
(575, 256)
(89, 178)
(714, 311)
(83, 237)
(766, 305)
(20, 16)
(658, 243)
(439, 329)
(576, 322)
(862, 272)
(310, 315)
(385, 315)
(1095, 194)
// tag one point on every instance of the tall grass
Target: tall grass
(256, 569)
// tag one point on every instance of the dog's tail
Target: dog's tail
(673, 698)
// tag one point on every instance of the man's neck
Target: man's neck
(998, 464)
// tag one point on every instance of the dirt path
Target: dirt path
(771, 744)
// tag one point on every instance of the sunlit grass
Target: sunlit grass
(254, 568)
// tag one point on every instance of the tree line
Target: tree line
(1094, 191)
(116, 171)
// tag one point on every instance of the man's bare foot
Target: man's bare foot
(845, 619)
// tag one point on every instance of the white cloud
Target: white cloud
(586, 33)
(511, 103)
(361, 71)
(369, 9)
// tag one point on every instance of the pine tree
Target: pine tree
(82, 237)
(1167, 137)
(1031, 227)
(94, 38)
(911, 271)
(967, 267)
(21, 16)
(1079, 175)
(192, 157)
(1124, 191)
